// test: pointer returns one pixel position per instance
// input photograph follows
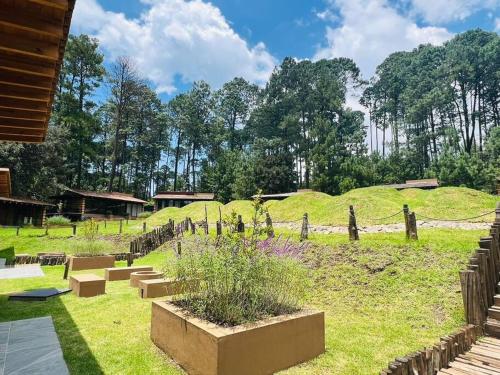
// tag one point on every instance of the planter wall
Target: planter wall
(263, 347)
(135, 277)
(91, 263)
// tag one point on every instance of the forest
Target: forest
(430, 112)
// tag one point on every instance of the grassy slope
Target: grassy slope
(370, 203)
(383, 297)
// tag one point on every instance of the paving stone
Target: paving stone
(21, 272)
(38, 294)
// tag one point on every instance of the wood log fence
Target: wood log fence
(148, 242)
(479, 285)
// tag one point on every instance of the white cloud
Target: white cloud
(189, 39)
(443, 11)
(370, 30)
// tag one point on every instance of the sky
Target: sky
(176, 42)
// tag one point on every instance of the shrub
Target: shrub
(144, 215)
(58, 220)
(8, 254)
(92, 248)
(240, 279)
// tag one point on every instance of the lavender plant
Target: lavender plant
(242, 278)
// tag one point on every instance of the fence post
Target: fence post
(240, 228)
(144, 227)
(206, 221)
(46, 229)
(66, 269)
(353, 227)
(193, 228)
(74, 229)
(406, 212)
(219, 228)
(130, 259)
(121, 226)
(412, 224)
(179, 249)
(304, 233)
(269, 226)
(17, 231)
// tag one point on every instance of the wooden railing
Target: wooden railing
(148, 242)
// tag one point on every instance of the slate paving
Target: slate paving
(21, 272)
(38, 294)
(30, 347)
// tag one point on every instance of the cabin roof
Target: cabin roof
(33, 36)
(18, 200)
(429, 183)
(103, 195)
(184, 195)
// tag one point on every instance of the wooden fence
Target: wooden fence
(148, 242)
(479, 287)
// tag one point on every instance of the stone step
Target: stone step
(492, 327)
(494, 312)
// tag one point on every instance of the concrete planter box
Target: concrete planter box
(91, 263)
(135, 277)
(123, 273)
(263, 347)
(165, 287)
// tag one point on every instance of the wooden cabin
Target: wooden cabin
(179, 198)
(16, 211)
(81, 204)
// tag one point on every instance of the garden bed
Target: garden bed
(78, 263)
(262, 347)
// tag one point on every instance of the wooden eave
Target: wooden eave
(33, 36)
(5, 184)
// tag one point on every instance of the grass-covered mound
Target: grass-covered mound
(370, 204)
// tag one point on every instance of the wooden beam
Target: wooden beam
(30, 23)
(21, 124)
(18, 64)
(56, 4)
(21, 138)
(22, 114)
(10, 103)
(27, 47)
(18, 79)
(18, 92)
(18, 131)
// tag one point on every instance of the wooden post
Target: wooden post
(412, 223)
(269, 226)
(121, 226)
(46, 229)
(74, 229)
(179, 250)
(66, 269)
(104, 223)
(206, 221)
(193, 228)
(219, 228)
(240, 228)
(17, 231)
(144, 227)
(130, 259)
(406, 212)
(353, 227)
(304, 233)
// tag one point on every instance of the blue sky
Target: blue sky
(175, 42)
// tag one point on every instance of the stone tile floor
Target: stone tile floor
(21, 272)
(30, 347)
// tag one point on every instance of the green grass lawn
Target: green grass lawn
(370, 204)
(383, 297)
(60, 239)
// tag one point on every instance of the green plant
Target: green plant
(8, 254)
(144, 215)
(58, 220)
(92, 248)
(90, 229)
(238, 281)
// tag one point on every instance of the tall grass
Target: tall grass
(241, 279)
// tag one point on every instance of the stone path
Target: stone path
(30, 347)
(384, 228)
(21, 272)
